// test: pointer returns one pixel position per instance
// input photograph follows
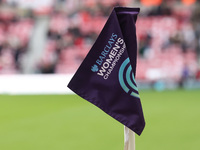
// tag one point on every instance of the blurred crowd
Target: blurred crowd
(168, 37)
(169, 42)
(15, 32)
(71, 34)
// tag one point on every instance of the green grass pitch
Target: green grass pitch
(67, 122)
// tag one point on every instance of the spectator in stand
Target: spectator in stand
(195, 19)
(188, 38)
(198, 74)
(144, 45)
(185, 75)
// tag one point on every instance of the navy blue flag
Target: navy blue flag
(106, 77)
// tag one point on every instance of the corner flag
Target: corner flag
(106, 77)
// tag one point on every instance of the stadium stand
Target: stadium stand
(167, 38)
(15, 33)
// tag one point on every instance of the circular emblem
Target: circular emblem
(127, 79)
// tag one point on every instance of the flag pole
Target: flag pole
(129, 139)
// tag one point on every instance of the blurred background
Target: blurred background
(54, 36)
(42, 43)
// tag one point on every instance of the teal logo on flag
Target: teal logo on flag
(94, 68)
(127, 79)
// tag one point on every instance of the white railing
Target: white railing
(35, 84)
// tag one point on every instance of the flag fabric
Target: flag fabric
(106, 77)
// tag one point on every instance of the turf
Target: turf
(67, 122)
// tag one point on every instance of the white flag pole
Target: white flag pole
(129, 139)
